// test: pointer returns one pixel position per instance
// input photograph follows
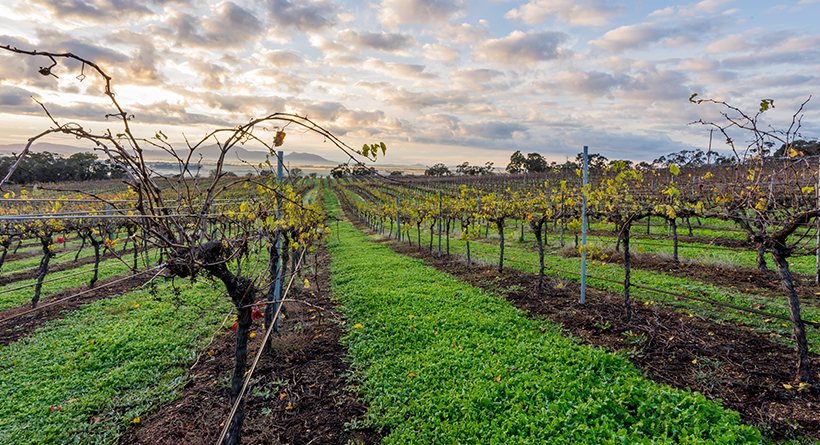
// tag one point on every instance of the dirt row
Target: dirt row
(303, 391)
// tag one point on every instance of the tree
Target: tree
(467, 169)
(535, 163)
(801, 147)
(340, 171)
(595, 161)
(295, 172)
(362, 170)
(517, 163)
(438, 170)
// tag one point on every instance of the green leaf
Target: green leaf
(674, 169)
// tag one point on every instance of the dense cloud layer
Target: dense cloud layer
(530, 75)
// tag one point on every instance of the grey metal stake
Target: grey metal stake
(277, 288)
(398, 220)
(439, 223)
(584, 233)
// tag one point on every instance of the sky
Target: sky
(436, 80)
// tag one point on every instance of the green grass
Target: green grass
(487, 251)
(443, 362)
(83, 378)
(13, 298)
(703, 253)
(64, 253)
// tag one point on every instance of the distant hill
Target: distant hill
(209, 153)
(65, 150)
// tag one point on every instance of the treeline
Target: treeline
(50, 167)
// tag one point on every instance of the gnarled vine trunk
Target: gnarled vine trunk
(47, 255)
(242, 293)
(780, 254)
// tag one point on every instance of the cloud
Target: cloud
(335, 53)
(584, 13)
(228, 26)
(655, 85)
(401, 97)
(307, 15)
(393, 13)
(716, 77)
(435, 51)
(213, 76)
(643, 35)
(704, 7)
(631, 36)
(387, 42)
(143, 66)
(400, 70)
(475, 75)
(451, 127)
(15, 97)
(96, 11)
(463, 34)
(520, 48)
(479, 79)
(732, 43)
(589, 85)
(284, 81)
(698, 64)
(280, 58)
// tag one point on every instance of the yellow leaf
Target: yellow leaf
(136, 420)
(358, 326)
(497, 379)
(695, 361)
(787, 386)
(411, 375)
(253, 334)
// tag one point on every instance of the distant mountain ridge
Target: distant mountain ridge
(209, 153)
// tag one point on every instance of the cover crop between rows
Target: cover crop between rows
(443, 362)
